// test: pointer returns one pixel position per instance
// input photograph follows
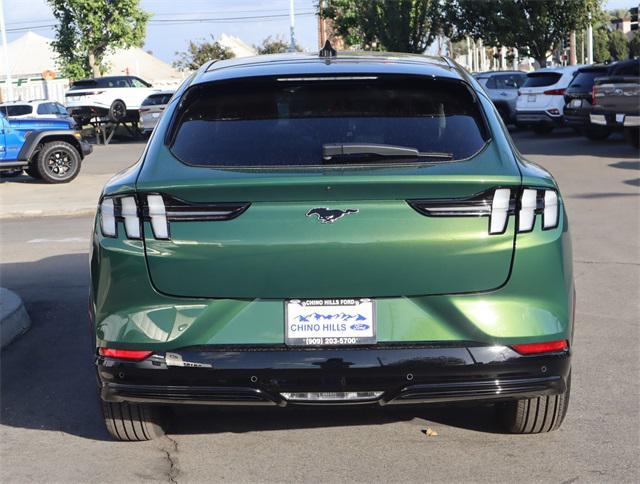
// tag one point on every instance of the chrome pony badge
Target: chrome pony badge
(328, 215)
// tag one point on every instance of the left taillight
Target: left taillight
(120, 209)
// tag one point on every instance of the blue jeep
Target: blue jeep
(47, 149)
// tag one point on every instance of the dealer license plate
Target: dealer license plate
(620, 118)
(531, 98)
(330, 322)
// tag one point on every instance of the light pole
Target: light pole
(5, 54)
(292, 22)
(590, 41)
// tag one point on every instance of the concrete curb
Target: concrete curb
(14, 319)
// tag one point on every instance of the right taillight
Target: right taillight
(499, 204)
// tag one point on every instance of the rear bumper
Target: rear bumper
(538, 117)
(615, 120)
(396, 375)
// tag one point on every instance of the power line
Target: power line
(213, 20)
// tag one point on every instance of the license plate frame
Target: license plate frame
(330, 322)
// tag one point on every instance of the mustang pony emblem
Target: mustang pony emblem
(328, 215)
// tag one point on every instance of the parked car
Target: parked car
(152, 108)
(616, 100)
(36, 109)
(45, 149)
(305, 231)
(540, 103)
(579, 102)
(502, 87)
(113, 98)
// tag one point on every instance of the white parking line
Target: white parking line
(67, 240)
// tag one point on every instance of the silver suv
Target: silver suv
(502, 88)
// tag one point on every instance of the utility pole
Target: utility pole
(590, 41)
(5, 54)
(292, 21)
(573, 60)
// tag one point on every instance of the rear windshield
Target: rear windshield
(506, 81)
(584, 79)
(541, 79)
(156, 100)
(19, 110)
(286, 122)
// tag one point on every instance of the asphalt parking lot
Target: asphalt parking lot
(51, 429)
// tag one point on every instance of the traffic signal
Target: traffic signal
(634, 18)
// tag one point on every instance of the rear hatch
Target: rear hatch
(619, 93)
(537, 91)
(301, 189)
(578, 94)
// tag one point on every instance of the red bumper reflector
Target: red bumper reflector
(547, 347)
(135, 355)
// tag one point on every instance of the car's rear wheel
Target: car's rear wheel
(117, 111)
(58, 162)
(134, 422)
(535, 415)
(542, 128)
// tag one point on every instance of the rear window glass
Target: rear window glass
(103, 82)
(585, 78)
(19, 110)
(285, 122)
(542, 79)
(156, 100)
(506, 81)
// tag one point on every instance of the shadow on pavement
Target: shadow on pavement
(47, 380)
(626, 165)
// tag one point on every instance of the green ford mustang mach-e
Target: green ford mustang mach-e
(351, 229)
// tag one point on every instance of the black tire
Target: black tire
(32, 171)
(597, 133)
(133, 422)
(117, 111)
(542, 128)
(58, 162)
(535, 415)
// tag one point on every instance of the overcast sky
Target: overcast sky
(165, 36)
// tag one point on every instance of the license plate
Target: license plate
(329, 322)
(576, 103)
(531, 98)
(619, 118)
(155, 115)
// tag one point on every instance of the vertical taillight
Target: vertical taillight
(593, 96)
(528, 206)
(158, 216)
(550, 215)
(129, 212)
(499, 211)
(108, 218)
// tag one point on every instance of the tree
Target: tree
(618, 46)
(634, 45)
(274, 45)
(534, 27)
(199, 53)
(392, 25)
(88, 30)
(601, 44)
